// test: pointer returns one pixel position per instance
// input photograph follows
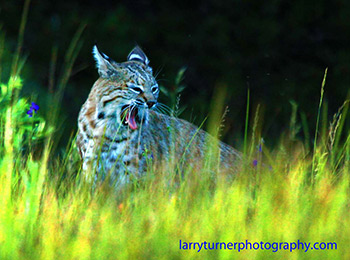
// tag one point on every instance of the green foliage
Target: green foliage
(45, 216)
(174, 92)
(49, 211)
(29, 130)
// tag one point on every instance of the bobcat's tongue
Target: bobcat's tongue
(130, 118)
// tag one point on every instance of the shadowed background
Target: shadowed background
(279, 49)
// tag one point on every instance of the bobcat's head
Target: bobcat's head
(129, 89)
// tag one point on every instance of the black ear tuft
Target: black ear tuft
(138, 55)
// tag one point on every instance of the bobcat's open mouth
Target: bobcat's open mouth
(130, 117)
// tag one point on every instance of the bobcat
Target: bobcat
(120, 133)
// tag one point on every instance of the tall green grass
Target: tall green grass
(46, 216)
(49, 212)
(293, 193)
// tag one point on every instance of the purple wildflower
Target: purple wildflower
(33, 108)
(30, 113)
(255, 162)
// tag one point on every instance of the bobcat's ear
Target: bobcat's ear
(138, 55)
(103, 63)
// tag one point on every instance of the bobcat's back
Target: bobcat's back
(169, 136)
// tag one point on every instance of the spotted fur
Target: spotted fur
(120, 133)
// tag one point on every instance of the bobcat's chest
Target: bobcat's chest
(120, 157)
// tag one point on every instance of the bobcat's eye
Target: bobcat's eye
(154, 89)
(135, 88)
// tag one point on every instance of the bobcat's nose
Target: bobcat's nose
(150, 104)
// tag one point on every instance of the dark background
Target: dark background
(279, 49)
